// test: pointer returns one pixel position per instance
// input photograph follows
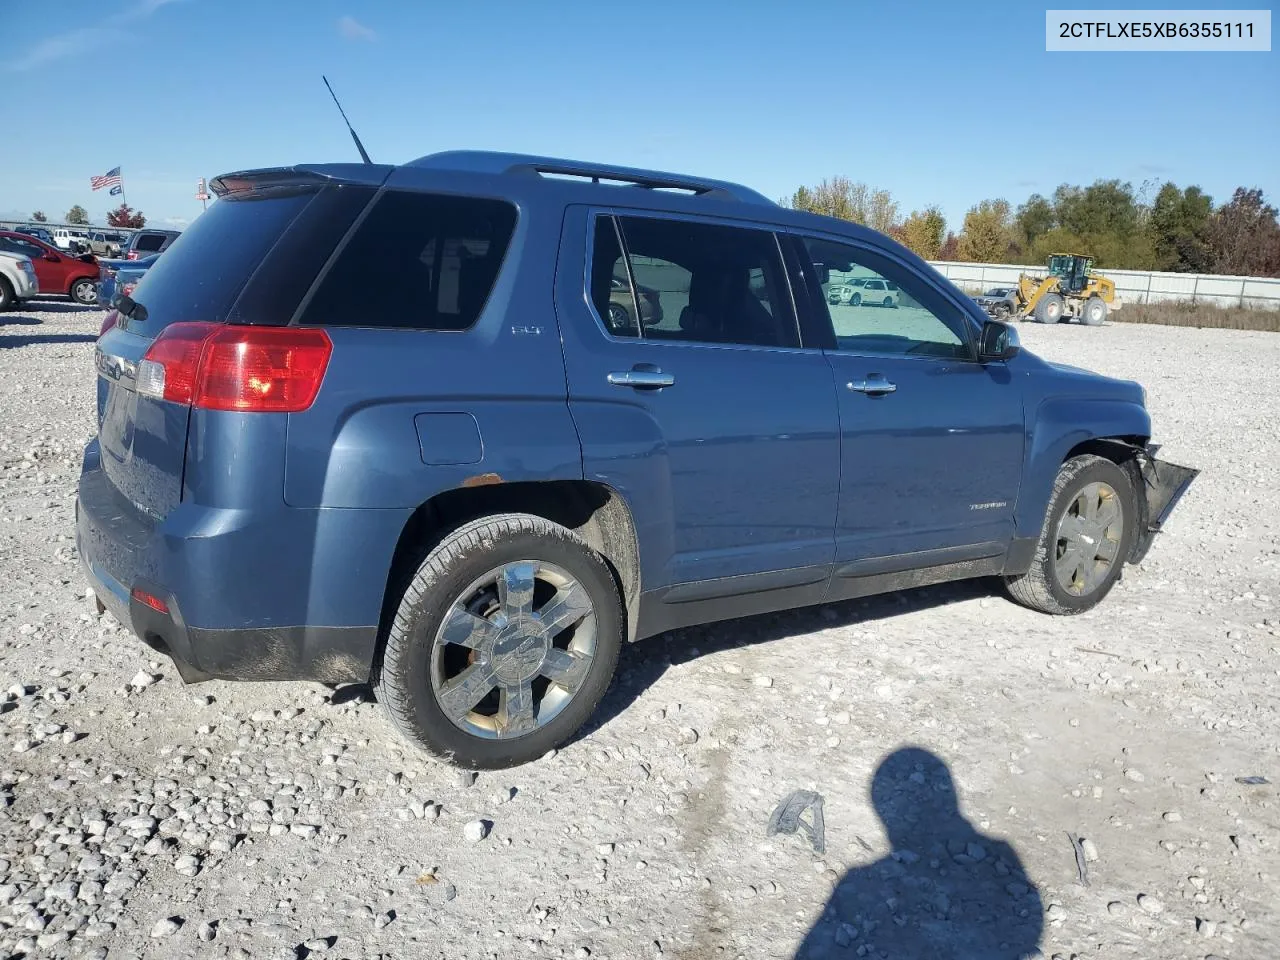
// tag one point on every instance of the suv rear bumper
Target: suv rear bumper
(193, 560)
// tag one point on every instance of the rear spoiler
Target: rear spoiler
(272, 180)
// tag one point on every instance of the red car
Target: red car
(56, 270)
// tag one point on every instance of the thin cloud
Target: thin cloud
(353, 29)
(82, 39)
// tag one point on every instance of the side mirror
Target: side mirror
(52, 257)
(998, 341)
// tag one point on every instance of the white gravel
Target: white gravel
(141, 818)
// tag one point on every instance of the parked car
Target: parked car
(872, 291)
(622, 307)
(104, 244)
(120, 277)
(18, 279)
(62, 238)
(59, 272)
(998, 302)
(147, 241)
(451, 477)
(40, 233)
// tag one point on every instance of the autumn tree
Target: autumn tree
(950, 247)
(77, 215)
(985, 236)
(125, 216)
(1244, 236)
(923, 232)
(39, 217)
(844, 199)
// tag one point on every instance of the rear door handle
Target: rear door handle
(875, 385)
(641, 379)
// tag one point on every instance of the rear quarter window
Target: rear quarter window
(418, 261)
(204, 270)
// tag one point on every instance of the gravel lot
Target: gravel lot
(141, 818)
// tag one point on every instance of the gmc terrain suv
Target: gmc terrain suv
(373, 423)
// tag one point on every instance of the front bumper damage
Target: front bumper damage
(1161, 485)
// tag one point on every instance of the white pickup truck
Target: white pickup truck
(17, 279)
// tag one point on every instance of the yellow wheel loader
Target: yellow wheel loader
(1070, 291)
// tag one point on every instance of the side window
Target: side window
(879, 307)
(610, 287)
(420, 261)
(707, 283)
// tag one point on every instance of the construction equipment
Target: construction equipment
(1069, 291)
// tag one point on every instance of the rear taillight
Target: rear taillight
(131, 255)
(127, 289)
(108, 322)
(248, 369)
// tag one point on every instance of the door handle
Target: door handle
(641, 379)
(875, 385)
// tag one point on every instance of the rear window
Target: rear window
(417, 261)
(149, 242)
(200, 275)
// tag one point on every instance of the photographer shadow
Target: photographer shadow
(945, 892)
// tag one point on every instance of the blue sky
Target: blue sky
(938, 102)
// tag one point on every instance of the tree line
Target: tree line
(122, 216)
(1166, 228)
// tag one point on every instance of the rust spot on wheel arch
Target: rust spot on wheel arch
(482, 480)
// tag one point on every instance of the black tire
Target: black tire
(855, 300)
(1094, 313)
(7, 298)
(402, 675)
(1041, 587)
(1049, 309)
(85, 292)
(619, 318)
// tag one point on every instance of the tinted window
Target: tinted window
(18, 246)
(417, 260)
(712, 284)
(892, 312)
(149, 242)
(203, 271)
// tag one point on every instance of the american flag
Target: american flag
(109, 179)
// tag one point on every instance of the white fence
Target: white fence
(1135, 286)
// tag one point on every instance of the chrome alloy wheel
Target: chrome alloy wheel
(513, 649)
(1088, 539)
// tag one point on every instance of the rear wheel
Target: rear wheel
(1087, 533)
(7, 298)
(1049, 309)
(503, 644)
(84, 291)
(1095, 312)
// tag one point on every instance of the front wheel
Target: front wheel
(85, 292)
(1049, 309)
(888, 301)
(1095, 312)
(503, 644)
(1087, 534)
(7, 297)
(855, 300)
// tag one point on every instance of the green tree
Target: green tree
(923, 232)
(1035, 218)
(39, 217)
(1179, 226)
(77, 214)
(1244, 236)
(985, 235)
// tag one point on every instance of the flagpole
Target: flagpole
(123, 198)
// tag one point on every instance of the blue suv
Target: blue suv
(414, 426)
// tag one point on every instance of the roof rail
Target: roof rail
(481, 161)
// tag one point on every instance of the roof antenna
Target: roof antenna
(359, 146)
